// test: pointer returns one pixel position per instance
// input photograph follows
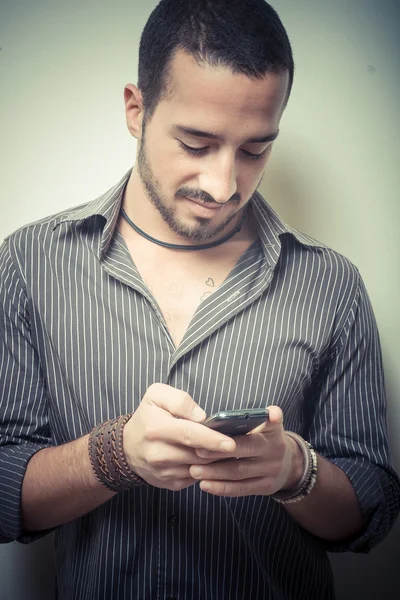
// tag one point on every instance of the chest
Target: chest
(179, 288)
(180, 280)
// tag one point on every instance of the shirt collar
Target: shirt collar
(271, 227)
(107, 205)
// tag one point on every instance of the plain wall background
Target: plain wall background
(333, 173)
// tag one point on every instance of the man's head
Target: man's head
(246, 36)
(214, 79)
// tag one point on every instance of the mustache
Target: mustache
(205, 197)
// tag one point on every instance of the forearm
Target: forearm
(331, 511)
(59, 486)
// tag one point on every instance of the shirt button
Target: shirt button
(173, 521)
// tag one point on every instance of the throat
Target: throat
(180, 282)
(184, 247)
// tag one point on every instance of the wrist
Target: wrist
(297, 465)
(309, 476)
(107, 456)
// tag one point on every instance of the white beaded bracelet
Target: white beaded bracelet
(309, 477)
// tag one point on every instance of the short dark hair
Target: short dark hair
(246, 36)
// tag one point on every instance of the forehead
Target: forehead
(214, 97)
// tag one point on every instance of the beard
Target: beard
(202, 230)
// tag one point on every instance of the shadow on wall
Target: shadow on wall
(380, 571)
(304, 190)
(28, 571)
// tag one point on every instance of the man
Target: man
(177, 294)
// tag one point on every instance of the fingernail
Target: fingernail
(198, 413)
(205, 486)
(196, 472)
(227, 446)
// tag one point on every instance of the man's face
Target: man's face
(202, 154)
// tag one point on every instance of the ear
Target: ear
(133, 109)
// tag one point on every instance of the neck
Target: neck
(184, 246)
(146, 220)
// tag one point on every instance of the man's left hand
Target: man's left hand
(265, 461)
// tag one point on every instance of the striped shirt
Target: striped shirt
(81, 340)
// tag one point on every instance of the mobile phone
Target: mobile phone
(237, 422)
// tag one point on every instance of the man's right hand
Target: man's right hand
(161, 437)
(159, 442)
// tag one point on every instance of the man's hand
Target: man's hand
(264, 461)
(161, 438)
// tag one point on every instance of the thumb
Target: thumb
(176, 402)
(274, 422)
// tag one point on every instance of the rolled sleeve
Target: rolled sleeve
(349, 425)
(24, 425)
(377, 491)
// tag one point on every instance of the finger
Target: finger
(182, 484)
(246, 446)
(273, 424)
(178, 484)
(176, 402)
(163, 455)
(194, 435)
(173, 473)
(228, 470)
(248, 487)
(260, 429)
(250, 444)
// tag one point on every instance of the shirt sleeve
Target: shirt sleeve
(349, 424)
(24, 425)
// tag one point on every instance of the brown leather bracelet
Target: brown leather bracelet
(107, 456)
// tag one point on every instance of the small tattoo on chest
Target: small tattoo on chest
(211, 284)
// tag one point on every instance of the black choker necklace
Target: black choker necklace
(182, 246)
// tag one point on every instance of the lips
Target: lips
(205, 205)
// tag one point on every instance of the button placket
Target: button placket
(173, 520)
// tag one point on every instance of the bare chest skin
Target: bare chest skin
(180, 280)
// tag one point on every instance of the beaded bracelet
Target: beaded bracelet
(107, 456)
(308, 478)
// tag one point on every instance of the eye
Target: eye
(191, 150)
(253, 156)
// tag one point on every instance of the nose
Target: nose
(220, 178)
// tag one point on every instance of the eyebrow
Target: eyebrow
(213, 136)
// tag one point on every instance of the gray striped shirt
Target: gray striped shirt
(81, 340)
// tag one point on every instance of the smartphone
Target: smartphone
(237, 422)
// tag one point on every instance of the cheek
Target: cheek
(164, 166)
(172, 175)
(181, 171)
(250, 177)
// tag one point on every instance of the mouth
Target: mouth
(204, 205)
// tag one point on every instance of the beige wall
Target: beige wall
(333, 173)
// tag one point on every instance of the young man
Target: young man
(177, 294)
